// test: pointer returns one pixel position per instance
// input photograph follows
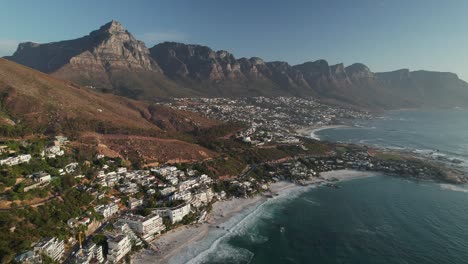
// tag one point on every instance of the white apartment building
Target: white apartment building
(181, 196)
(107, 210)
(101, 174)
(175, 214)
(52, 152)
(133, 203)
(146, 227)
(202, 198)
(119, 246)
(92, 253)
(52, 247)
(168, 190)
(16, 160)
(205, 179)
(188, 184)
(121, 170)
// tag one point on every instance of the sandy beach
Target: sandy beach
(344, 175)
(310, 131)
(178, 240)
(169, 244)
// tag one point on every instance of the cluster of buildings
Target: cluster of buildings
(269, 118)
(131, 179)
(52, 152)
(90, 253)
(185, 185)
(166, 192)
(186, 189)
(51, 247)
(129, 230)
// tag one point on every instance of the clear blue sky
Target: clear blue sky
(385, 34)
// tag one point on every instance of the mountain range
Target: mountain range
(110, 59)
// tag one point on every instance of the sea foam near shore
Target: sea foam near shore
(311, 132)
(241, 225)
(235, 217)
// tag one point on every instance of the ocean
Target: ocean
(378, 219)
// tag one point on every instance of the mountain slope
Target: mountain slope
(111, 59)
(426, 88)
(219, 73)
(34, 102)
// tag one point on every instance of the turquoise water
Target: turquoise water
(379, 219)
(372, 220)
(442, 133)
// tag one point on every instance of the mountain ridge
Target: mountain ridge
(112, 60)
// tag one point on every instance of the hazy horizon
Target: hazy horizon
(337, 31)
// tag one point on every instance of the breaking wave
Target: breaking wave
(215, 246)
(453, 188)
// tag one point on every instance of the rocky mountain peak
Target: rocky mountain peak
(338, 71)
(256, 61)
(222, 54)
(101, 59)
(113, 27)
(359, 70)
(317, 67)
(398, 75)
(111, 58)
(26, 45)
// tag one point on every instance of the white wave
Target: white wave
(395, 148)
(227, 253)
(256, 238)
(215, 245)
(312, 202)
(314, 136)
(424, 151)
(452, 187)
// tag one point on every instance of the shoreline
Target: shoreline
(310, 131)
(174, 242)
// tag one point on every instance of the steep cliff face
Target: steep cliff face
(254, 68)
(183, 62)
(426, 88)
(110, 47)
(110, 58)
(114, 48)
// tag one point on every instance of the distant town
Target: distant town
(271, 119)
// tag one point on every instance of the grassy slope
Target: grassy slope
(48, 105)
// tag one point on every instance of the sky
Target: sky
(383, 34)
